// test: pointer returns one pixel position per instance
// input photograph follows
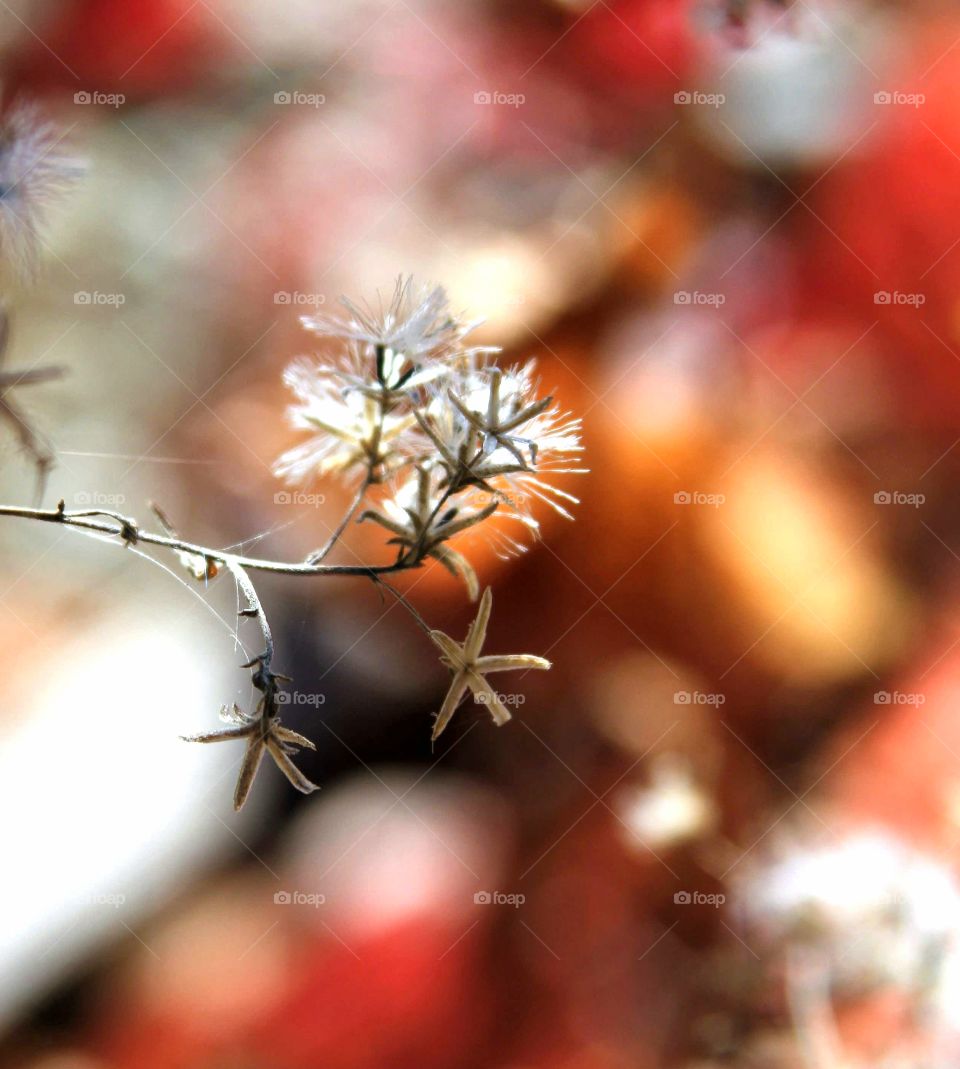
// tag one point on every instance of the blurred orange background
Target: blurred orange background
(723, 829)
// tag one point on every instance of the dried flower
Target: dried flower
(874, 908)
(34, 171)
(422, 525)
(863, 913)
(352, 433)
(491, 429)
(402, 400)
(470, 669)
(382, 374)
(263, 734)
(417, 326)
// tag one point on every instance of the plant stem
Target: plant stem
(318, 555)
(255, 607)
(42, 457)
(127, 530)
(415, 553)
(424, 626)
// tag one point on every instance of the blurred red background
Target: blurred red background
(723, 829)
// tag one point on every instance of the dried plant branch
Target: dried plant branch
(261, 731)
(405, 602)
(127, 530)
(321, 554)
(448, 439)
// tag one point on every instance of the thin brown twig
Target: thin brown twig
(254, 609)
(402, 598)
(30, 440)
(126, 529)
(319, 555)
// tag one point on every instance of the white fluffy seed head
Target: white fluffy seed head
(402, 397)
(36, 169)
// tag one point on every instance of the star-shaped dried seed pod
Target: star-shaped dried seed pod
(496, 422)
(470, 669)
(11, 413)
(489, 429)
(263, 733)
